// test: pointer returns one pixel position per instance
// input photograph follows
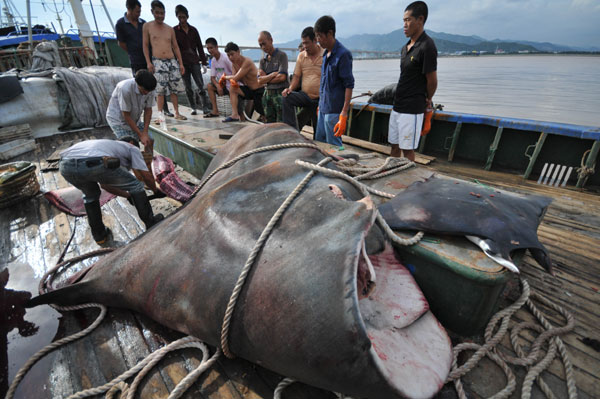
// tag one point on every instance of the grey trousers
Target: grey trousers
(299, 99)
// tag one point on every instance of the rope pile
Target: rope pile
(489, 348)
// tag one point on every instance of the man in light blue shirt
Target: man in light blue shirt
(337, 83)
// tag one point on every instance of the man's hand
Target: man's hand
(150, 68)
(146, 141)
(222, 81)
(286, 91)
(234, 83)
(182, 69)
(340, 127)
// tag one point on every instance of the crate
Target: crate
(224, 105)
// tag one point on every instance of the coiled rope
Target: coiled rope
(583, 172)
(548, 332)
(118, 384)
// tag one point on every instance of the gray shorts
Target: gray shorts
(168, 76)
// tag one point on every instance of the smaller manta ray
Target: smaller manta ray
(497, 221)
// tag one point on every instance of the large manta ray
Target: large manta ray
(503, 221)
(304, 311)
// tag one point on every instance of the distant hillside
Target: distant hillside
(446, 43)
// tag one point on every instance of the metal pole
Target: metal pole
(85, 33)
(108, 15)
(97, 30)
(62, 31)
(29, 35)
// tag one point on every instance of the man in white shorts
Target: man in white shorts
(417, 83)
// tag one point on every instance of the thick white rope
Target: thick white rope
(548, 332)
(364, 190)
(283, 384)
(250, 261)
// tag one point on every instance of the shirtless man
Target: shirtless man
(168, 70)
(246, 72)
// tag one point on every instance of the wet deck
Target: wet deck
(33, 234)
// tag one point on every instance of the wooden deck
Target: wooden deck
(33, 234)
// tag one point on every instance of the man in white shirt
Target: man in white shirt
(129, 100)
(91, 163)
(219, 65)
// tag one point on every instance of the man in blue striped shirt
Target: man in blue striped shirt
(337, 83)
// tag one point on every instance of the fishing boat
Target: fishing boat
(464, 288)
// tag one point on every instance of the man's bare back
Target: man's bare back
(161, 37)
(250, 78)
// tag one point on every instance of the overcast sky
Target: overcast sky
(568, 22)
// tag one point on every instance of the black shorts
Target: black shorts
(250, 94)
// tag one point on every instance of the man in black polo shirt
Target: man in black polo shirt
(130, 38)
(417, 84)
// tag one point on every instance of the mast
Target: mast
(29, 34)
(85, 33)
(58, 18)
(108, 15)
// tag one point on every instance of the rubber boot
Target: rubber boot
(142, 204)
(94, 215)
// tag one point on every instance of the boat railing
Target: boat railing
(69, 56)
(74, 34)
(24, 32)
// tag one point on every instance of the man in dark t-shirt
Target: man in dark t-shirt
(417, 83)
(130, 38)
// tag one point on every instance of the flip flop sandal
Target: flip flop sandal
(230, 119)
(181, 118)
(211, 115)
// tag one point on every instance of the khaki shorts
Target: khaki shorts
(168, 76)
(405, 130)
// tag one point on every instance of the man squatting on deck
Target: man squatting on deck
(417, 83)
(337, 82)
(307, 77)
(220, 65)
(129, 30)
(168, 70)
(246, 72)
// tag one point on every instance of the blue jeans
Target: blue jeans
(325, 125)
(124, 131)
(87, 173)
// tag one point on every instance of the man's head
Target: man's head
(134, 9)
(158, 11)
(145, 80)
(212, 46)
(131, 140)
(325, 31)
(309, 40)
(233, 52)
(265, 42)
(182, 14)
(414, 19)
